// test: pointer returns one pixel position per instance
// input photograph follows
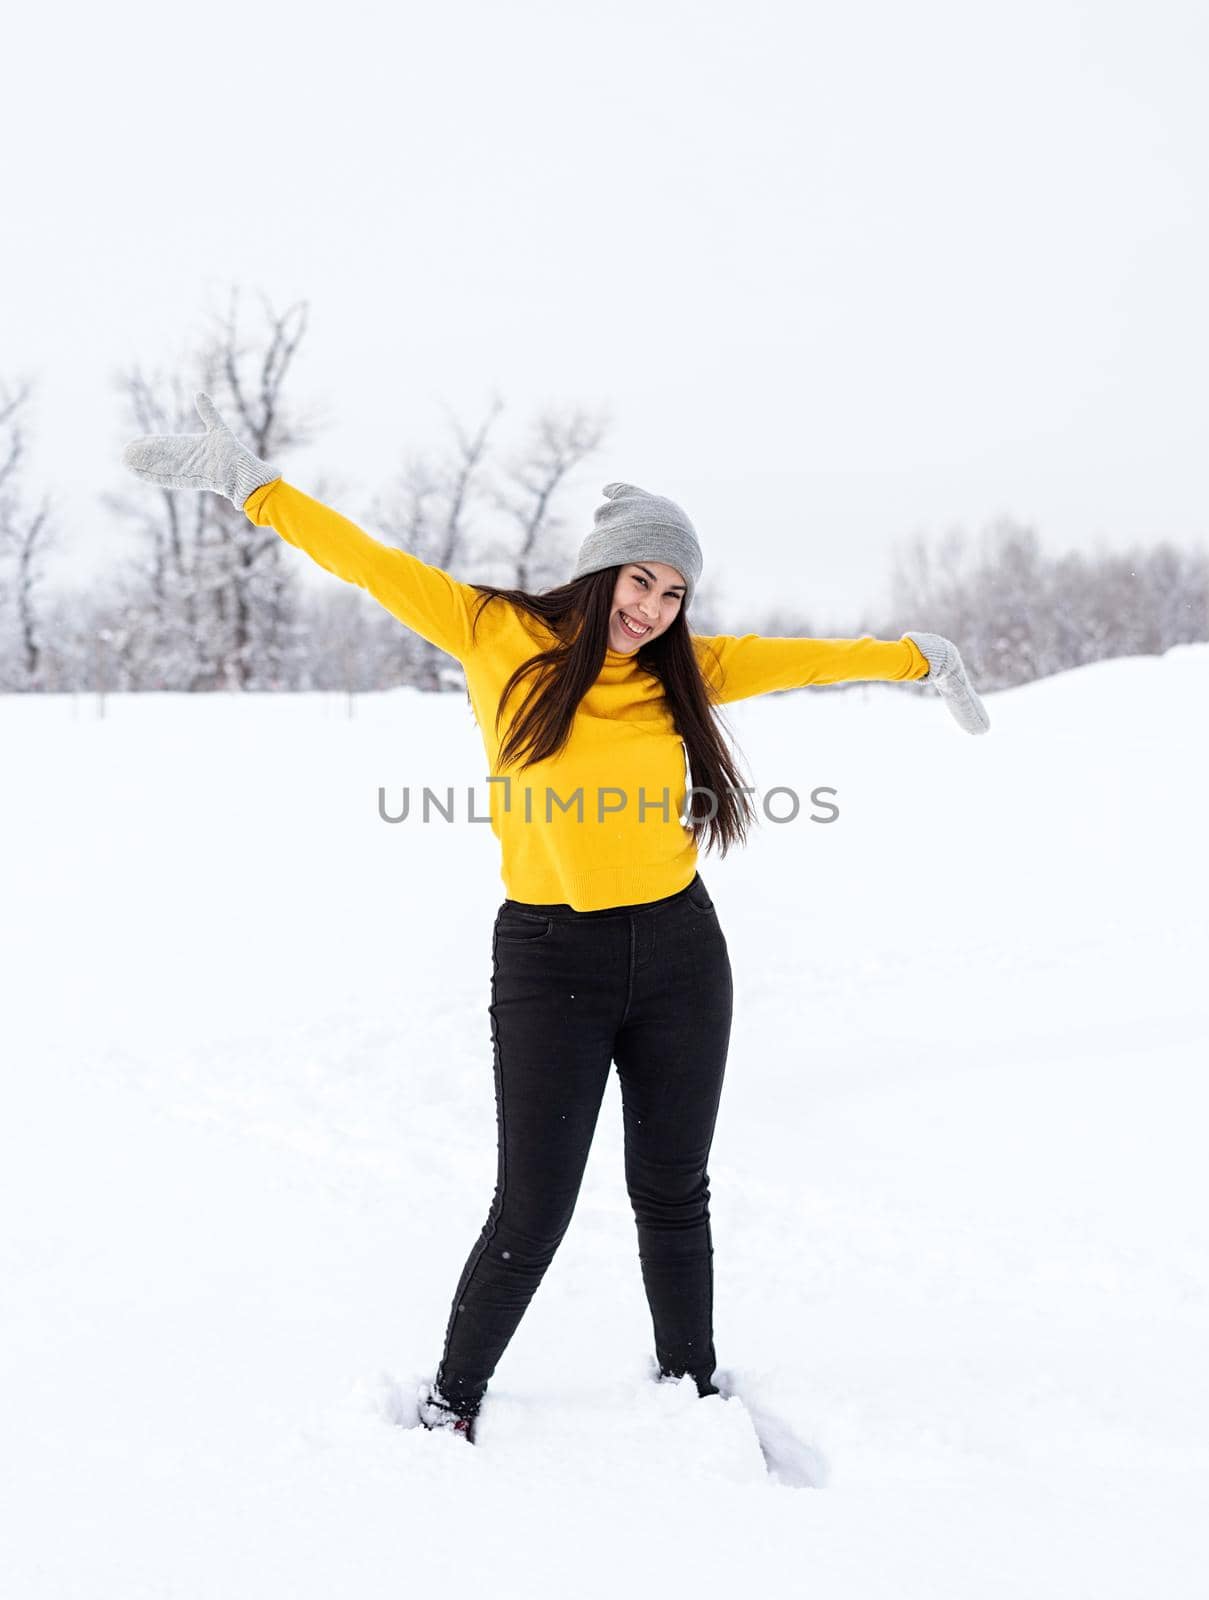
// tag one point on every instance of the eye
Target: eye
(638, 578)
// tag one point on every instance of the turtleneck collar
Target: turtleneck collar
(619, 658)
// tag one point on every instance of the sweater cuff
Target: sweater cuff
(253, 504)
(921, 665)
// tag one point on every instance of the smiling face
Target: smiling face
(648, 595)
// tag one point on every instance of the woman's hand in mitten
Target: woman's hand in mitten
(212, 460)
(947, 672)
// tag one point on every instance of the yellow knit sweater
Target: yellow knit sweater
(597, 824)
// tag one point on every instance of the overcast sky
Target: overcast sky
(840, 274)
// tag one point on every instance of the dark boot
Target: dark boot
(436, 1413)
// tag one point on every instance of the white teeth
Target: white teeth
(631, 628)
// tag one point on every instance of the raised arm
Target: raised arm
(428, 600)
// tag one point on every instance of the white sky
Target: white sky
(840, 274)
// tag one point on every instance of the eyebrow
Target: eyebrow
(654, 579)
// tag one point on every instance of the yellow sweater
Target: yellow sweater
(596, 825)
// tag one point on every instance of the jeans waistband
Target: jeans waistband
(569, 913)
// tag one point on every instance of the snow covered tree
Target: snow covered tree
(429, 510)
(1019, 614)
(26, 537)
(218, 605)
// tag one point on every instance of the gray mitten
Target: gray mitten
(211, 460)
(947, 672)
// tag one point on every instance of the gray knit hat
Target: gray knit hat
(633, 525)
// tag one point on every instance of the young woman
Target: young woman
(608, 772)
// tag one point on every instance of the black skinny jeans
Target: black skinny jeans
(647, 986)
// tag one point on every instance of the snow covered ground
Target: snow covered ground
(959, 1184)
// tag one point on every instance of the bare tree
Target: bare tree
(25, 537)
(430, 511)
(1018, 613)
(260, 596)
(30, 539)
(221, 602)
(556, 447)
(165, 590)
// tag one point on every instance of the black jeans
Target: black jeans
(647, 986)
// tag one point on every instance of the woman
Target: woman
(596, 706)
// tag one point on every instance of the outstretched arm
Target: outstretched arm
(428, 600)
(740, 667)
(756, 664)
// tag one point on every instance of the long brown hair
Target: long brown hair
(577, 613)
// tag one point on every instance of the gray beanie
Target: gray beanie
(633, 525)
